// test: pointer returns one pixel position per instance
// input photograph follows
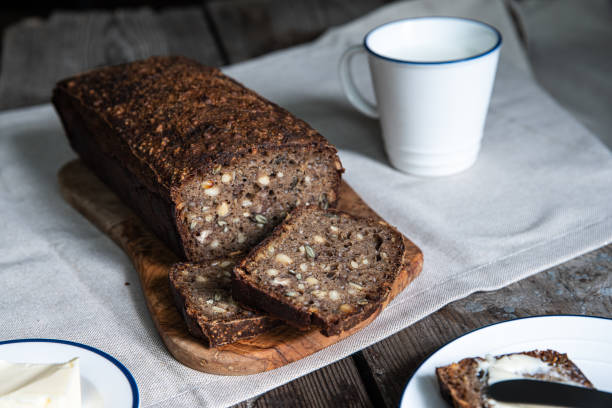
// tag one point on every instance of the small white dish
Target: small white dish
(587, 340)
(105, 382)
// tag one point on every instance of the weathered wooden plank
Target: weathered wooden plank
(76, 41)
(336, 385)
(248, 28)
(36, 52)
(581, 286)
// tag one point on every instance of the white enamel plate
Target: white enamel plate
(586, 340)
(105, 382)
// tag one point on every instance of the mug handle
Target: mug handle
(348, 83)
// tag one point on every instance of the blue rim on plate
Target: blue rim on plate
(486, 326)
(482, 54)
(117, 363)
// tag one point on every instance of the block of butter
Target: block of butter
(24, 385)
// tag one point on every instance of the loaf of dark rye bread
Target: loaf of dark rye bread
(209, 165)
(464, 384)
(202, 292)
(324, 268)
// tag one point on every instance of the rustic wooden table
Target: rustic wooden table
(37, 52)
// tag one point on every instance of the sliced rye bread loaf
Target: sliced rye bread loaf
(202, 294)
(324, 268)
(209, 165)
(464, 384)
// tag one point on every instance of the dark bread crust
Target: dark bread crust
(244, 290)
(148, 127)
(175, 117)
(460, 386)
(217, 332)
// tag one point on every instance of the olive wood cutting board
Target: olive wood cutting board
(283, 345)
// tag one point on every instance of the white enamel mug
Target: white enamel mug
(433, 78)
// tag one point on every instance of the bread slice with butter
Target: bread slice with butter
(464, 384)
(40, 385)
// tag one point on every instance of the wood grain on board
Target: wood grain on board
(276, 348)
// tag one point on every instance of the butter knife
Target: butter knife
(548, 393)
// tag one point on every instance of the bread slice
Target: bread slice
(324, 268)
(464, 384)
(202, 294)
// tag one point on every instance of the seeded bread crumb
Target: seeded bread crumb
(202, 294)
(323, 268)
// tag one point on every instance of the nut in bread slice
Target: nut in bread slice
(202, 294)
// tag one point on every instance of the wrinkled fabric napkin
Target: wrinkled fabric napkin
(538, 195)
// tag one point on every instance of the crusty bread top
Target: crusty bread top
(179, 117)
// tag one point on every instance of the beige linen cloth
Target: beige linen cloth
(539, 195)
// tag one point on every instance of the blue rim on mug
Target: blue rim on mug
(482, 54)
